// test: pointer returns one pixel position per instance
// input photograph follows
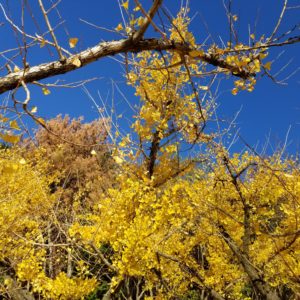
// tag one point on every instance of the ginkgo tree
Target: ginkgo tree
(204, 225)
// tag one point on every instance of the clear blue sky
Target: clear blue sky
(268, 111)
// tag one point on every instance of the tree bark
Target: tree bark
(104, 49)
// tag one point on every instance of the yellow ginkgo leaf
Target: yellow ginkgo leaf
(234, 18)
(73, 42)
(76, 62)
(22, 161)
(43, 43)
(46, 92)
(16, 68)
(8, 282)
(93, 152)
(41, 121)
(14, 125)
(263, 55)
(119, 27)
(3, 119)
(196, 53)
(10, 168)
(203, 87)
(140, 21)
(118, 159)
(125, 4)
(268, 66)
(34, 110)
(252, 36)
(10, 138)
(137, 8)
(234, 91)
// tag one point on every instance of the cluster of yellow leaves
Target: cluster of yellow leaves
(8, 129)
(175, 228)
(27, 210)
(135, 21)
(179, 31)
(168, 105)
(164, 228)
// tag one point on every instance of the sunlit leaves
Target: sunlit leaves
(41, 121)
(234, 91)
(16, 68)
(184, 214)
(14, 125)
(267, 66)
(34, 110)
(119, 27)
(125, 4)
(46, 91)
(118, 159)
(196, 53)
(22, 161)
(42, 43)
(9, 138)
(162, 218)
(73, 42)
(203, 87)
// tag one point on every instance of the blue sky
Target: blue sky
(271, 110)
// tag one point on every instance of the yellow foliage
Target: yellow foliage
(27, 211)
(161, 228)
(169, 226)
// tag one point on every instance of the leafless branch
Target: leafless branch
(45, 14)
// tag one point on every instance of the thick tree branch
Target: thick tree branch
(148, 19)
(104, 49)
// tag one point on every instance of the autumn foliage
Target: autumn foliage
(163, 212)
